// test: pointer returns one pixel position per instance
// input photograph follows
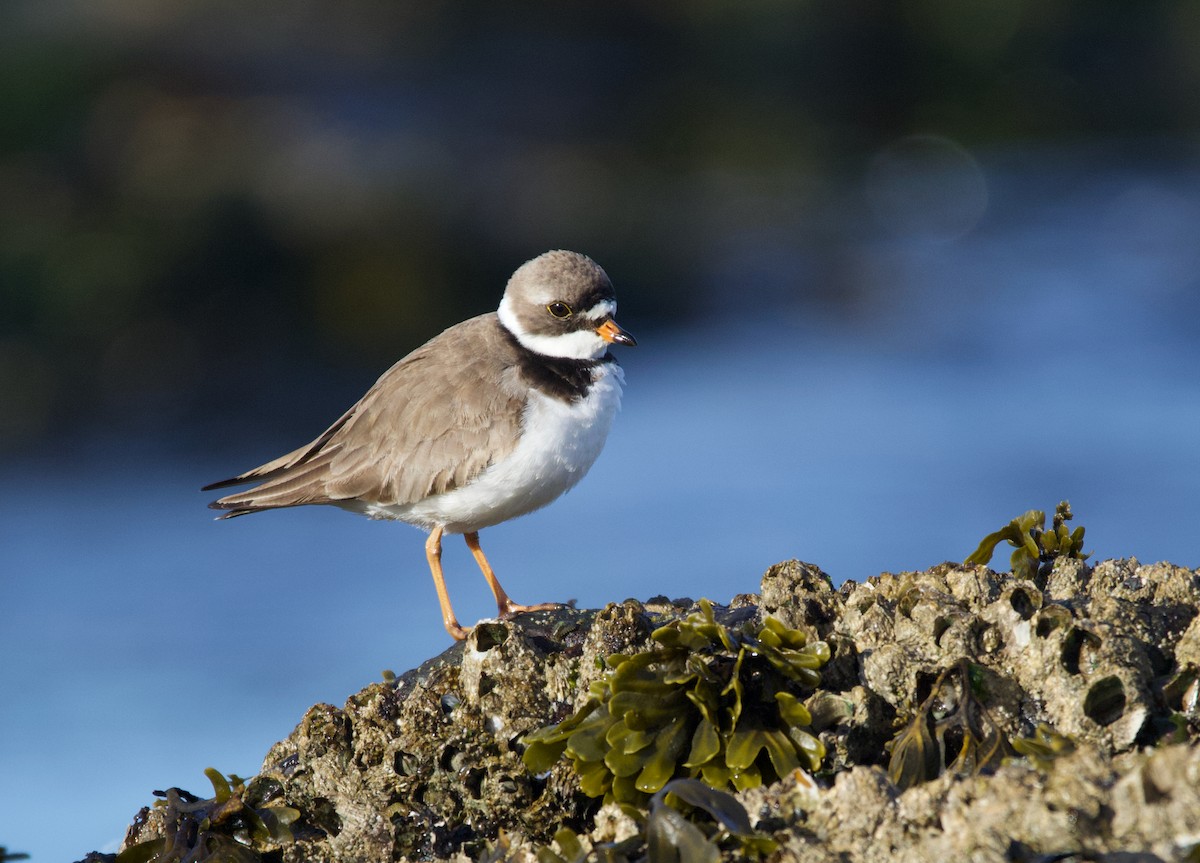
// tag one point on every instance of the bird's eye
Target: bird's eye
(559, 310)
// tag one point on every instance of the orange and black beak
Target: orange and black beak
(610, 332)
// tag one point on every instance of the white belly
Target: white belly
(560, 442)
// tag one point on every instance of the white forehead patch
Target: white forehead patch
(600, 311)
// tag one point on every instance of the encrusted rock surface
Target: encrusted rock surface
(428, 767)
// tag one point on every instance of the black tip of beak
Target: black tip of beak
(610, 331)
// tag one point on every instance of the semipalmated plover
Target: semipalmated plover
(492, 419)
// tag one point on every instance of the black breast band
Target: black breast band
(561, 378)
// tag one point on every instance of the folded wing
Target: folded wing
(430, 424)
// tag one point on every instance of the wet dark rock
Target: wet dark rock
(427, 766)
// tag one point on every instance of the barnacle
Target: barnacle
(226, 827)
(1034, 544)
(1182, 696)
(717, 703)
(951, 730)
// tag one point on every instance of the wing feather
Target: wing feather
(432, 422)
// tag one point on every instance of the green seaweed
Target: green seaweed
(226, 828)
(571, 850)
(951, 730)
(730, 817)
(1035, 546)
(671, 832)
(1044, 747)
(709, 702)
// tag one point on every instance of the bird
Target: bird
(492, 419)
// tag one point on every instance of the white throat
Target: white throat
(583, 344)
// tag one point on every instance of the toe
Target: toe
(513, 608)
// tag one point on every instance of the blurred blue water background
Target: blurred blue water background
(897, 276)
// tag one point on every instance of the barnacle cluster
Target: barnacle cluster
(227, 827)
(717, 703)
(1035, 546)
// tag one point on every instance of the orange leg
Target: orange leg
(433, 553)
(505, 607)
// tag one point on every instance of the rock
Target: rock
(428, 766)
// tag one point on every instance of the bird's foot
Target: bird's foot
(510, 609)
(456, 630)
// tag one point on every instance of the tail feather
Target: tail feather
(281, 486)
(275, 476)
(265, 471)
(233, 513)
(226, 483)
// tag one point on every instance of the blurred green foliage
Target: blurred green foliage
(194, 188)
